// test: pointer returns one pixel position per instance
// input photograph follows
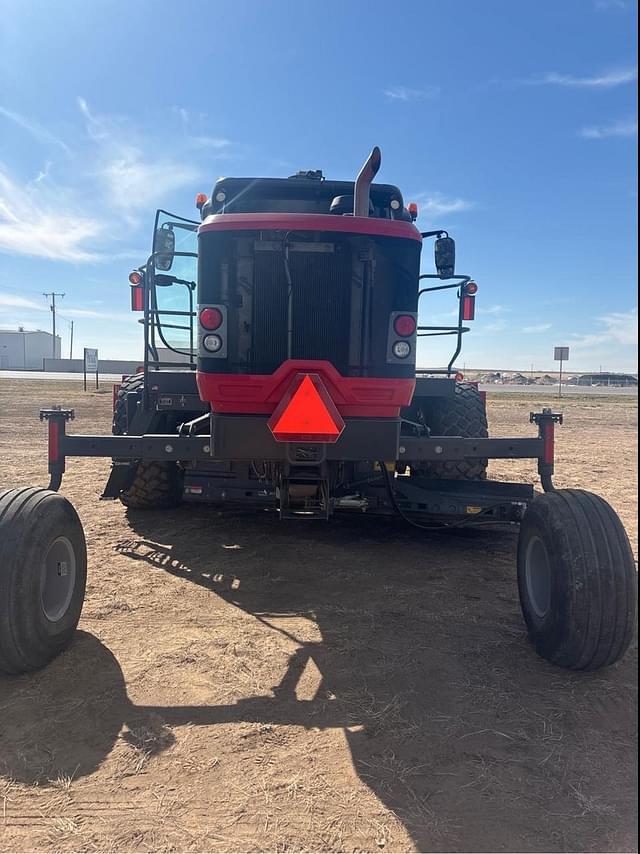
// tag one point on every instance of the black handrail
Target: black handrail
(153, 325)
(435, 331)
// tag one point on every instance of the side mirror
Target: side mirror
(445, 256)
(164, 246)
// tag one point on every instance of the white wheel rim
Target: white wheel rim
(58, 579)
(538, 577)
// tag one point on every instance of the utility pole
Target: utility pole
(53, 296)
(71, 344)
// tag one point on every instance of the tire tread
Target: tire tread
(463, 415)
(595, 583)
(23, 646)
(156, 484)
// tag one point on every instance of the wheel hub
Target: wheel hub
(58, 579)
(538, 577)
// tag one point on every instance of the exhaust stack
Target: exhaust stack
(363, 182)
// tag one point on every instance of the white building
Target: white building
(24, 350)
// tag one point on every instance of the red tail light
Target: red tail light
(306, 413)
(211, 318)
(404, 325)
(468, 308)
(137, 298)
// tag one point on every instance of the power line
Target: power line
(53, 296)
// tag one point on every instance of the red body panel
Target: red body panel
(54, 440)
(549, 443)
(311, 222)
(259, 394)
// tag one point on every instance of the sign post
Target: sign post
(561, 354)
(90, 365)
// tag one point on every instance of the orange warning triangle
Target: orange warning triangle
(308, 416)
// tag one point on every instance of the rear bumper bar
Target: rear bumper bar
(356, 445)
(248, 438)
(446, 448)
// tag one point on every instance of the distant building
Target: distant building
(606, 379)
(24, 350)
(518, 379)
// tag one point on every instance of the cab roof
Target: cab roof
(306, 192)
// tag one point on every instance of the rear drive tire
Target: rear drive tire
(577, 580)
(43, 573)
(135, 382)
(156, 485)
(464, 414)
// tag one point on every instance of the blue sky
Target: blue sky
(512, 124)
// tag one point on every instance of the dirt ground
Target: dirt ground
(239, 683)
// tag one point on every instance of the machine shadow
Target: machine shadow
(423, 660)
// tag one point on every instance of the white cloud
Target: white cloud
(137, 256)
(537, 327)
(15, 301)
(9, 300)
(188, 117)
(618, 329)
(185, 115)
(134, 182)
(132, 179)
(610, 342)
(195, 135)
(496, 326)
(43, 225)
(495, 309)
(96, 126)
(34, 129)
(437, 204)
(102, 315)
(114, 167)
(43, 174)
(624, 128)
(605, 80)
(407, 94)
(214, 142)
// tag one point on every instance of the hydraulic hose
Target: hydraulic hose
(441, 525)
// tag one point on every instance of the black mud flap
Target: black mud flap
(121, 477)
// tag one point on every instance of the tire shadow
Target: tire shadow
(62, 722)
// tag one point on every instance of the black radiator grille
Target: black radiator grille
(321, 308)
(269, 327)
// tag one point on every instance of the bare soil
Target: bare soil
(239, 683)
